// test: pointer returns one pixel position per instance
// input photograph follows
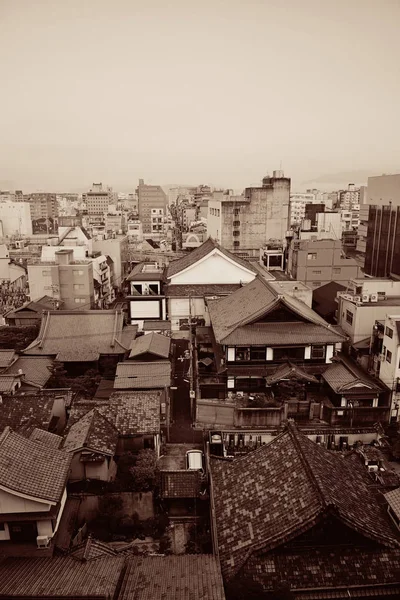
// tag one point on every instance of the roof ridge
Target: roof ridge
(5, 433)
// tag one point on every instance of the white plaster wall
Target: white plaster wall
(215, 268)
(10, 503)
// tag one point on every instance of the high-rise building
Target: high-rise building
(384, 190)
(43, 205)
(382, 254)
(98, 199)
(247, 223)
(298, 204)
(153, 203)
(349, 197)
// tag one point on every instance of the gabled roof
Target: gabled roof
(92, 432)
(60, 577)
(46, 437)
(393, 499)
(25, 412)
(152, 343)
(236, 315)
(6, 358)
(8, 381)
(81, 336)
(290, 371)
(190, 576)
(344, 375)
(200, 290)
(35, 306)
(324, 297)
(91, 549)
(270, 496)
(36, 370)
(143, 375)
(31, 468)
(201, 252)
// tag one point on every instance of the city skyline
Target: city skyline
(190, 93)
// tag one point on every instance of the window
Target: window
(336, 270)
(236, 244)
(317, 272)
(312, 256)
(257, 353)
(45, 273)
(242, 353)
(317, 351)
(389, 332)
(289, 353)
(236, 233)
(388, 356)
(77, 272)
(349, 317)
(79, 300)
(236, 223)
(78, 286)
(316, 283)
(236, 211)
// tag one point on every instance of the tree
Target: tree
(145, 471)
(17, 338)
(85, 384)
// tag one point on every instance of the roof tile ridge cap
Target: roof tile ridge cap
(325, 500)
(5, 433)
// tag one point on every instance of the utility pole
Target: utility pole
(192, 393)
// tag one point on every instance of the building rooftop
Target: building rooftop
(31, 468)
(81, 336)
(46, 437)
(200, 290)
(180, 484)
(27, 411)
(143, 375)
(93, 432)
(6, 358)
(36, 370)
(152, 343)
(157, 326)
(146, 271)
(346, 376)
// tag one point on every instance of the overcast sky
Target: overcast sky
(182, 91)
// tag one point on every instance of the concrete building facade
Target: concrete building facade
(384, 190)
(43, 205)
(244, 224)
(15, 219)
(382, 253)
(317, 262)
(298, 207)
(349, 197)
(98, 199)
(151, 198)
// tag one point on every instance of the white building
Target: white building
(298, 206)
(349, 197)
(15, 219)
(389, 371)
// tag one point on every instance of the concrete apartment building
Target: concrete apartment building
(98, 199)
(152, 204)
(298, 204)
(15, 219)
(317, 262)
(349, 197)
(389, 363)
(246, 223)
(65, 279)
(43, 205)
(117, 248)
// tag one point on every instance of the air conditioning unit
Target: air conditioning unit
(42, 541)
(357, 298)
(374, 298)
(347, 297)
(365, 297)
(373, 468)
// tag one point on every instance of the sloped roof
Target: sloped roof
(60, 577)
(6, 358)
(143, 375)
(92, 549)
(27, 411)
(324, 297)
(80, 336)
(197, 254)
(344, 375)
(32, 468)
(237, 315)
(36, 306)
(157, 326)
(290, 371)
(93, 432)
(277, 492)
(200, 290)
(393, 499)
(7, 381)
(188, 576)
(46, 437)
(154, 343)
(36, 369)
(139, 273)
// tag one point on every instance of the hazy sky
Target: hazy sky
(196, 91)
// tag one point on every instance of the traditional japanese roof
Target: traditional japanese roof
(200, 290)
(236, 319)
(202, 251)
(25, 412)
(188, 576)
(37, 306)
(92, 549)
(180, 484)
(8, 381)
(152, 343)
(272, 495)
(31, 468)
(36, 370)
(46, 437)
(393, 499)
(344, 375)
(6, 358)
(92, 432)
(290, 371)
(324, 298)
(81, 336)
(143, 375)
(157, 326)
(60, 577)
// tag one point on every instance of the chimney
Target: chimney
(65, 256)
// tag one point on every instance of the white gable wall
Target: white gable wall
(214, 268)
(11, 503)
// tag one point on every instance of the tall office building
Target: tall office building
(98, 199)
(153, 203)
(382, 254)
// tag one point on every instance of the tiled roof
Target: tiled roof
(131, 412)
(191, 576)
(393, 499)
(36, 306)
(327, 567)
(60, 577)
(154, 343)
(157, 326)
(344, 375)
(7, 382)
(197, 254)
(91, 549)
(237, 317)
(275, 493)
(33, 410)
(32, 468)
(180, 484)
(290, 371)
(200, 290)
(6, 358)
(94, 432)
(35, 369)
(82, 336)
(143, 375)
(46, 437)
